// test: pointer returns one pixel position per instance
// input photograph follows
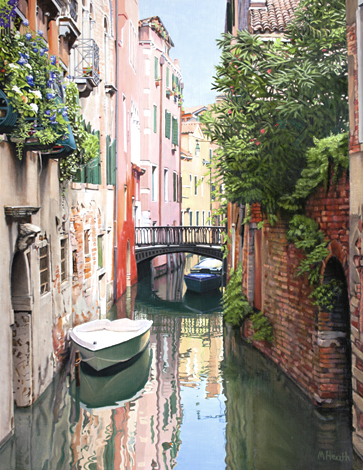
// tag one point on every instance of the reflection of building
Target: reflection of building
(201, 351)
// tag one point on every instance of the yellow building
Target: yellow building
(196, 153)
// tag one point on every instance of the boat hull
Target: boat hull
(108, 357)
(201, 282)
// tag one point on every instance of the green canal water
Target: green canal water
(197, 398)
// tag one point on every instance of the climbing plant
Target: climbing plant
(236, 309)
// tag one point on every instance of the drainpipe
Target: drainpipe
(115, 250)
(161, 136)
(233, 247)
(180, 195)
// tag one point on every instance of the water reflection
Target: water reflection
(198, 398)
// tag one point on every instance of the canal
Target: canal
(197, 398)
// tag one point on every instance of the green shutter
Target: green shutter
(155, 118)
(108, 160)
(156, 68)
(167, 77)
(167, 124)
(113, 163)
(175, 132)
(97, 178)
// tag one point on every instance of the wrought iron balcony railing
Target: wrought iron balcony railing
(87, 60)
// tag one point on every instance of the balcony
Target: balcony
(86, 70)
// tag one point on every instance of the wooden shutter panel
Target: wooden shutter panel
(156, 68)
(108, 160)
(175, 131)
(154, 118)
(113, 163)
(167, 124)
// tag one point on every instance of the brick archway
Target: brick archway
(333, 337)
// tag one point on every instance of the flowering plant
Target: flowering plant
(32, 82)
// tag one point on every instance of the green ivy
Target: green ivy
(326, 295)
(304, 233)
(262, 328)
(236, 308)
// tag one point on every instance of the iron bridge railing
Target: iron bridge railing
(185, 235)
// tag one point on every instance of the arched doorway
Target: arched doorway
(334, 339)
(22, 330)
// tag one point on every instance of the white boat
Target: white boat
(208, 266)
(104, 343)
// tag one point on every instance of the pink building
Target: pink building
(128, 142)
(160, 116)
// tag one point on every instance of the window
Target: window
(74, 265)
(156, 67)
(167, 124)
(213, 197)
(175, 186)
(153, 183)
(175, 131)
(125, 121)
(155, 115)
(86, 243)
(190, 218)
(203, 218)
(167, 77)
(133, 45)
(91, 173)
(210, 154)
(44, 269)
(202, 187)
(195, 185)
(182, 217)
(191, 183)
(166, 185)
(100, 251)
(63, 259)
(196, 217)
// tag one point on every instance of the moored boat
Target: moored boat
(104, 343)
(202, 282)
(209, 266)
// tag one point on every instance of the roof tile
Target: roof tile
(274, 17)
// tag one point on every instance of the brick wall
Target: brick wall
(305, 345)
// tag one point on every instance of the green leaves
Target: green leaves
(280, 100)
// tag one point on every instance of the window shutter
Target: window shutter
(175, 131)
(167, 77)
(108, 160)
(156, 68)
(167, 124)
(113, 163)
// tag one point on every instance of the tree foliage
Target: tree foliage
(279, 97)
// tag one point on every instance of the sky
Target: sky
(194, 26)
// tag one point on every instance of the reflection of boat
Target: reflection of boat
(202, 282)
(103, 343)
(197, 303)
(209, 266)
(104, 390)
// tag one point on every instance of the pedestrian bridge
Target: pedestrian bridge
(154, 241)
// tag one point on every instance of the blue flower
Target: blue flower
(28, 36)
(22, 61)
(53, 59)
(65, 113)
(27, 56)
(35, 49)
(30, 80)
(47, 112)
(52, 119)
(42, 52)
(26, 22)
(50, 96)
(40, 32)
